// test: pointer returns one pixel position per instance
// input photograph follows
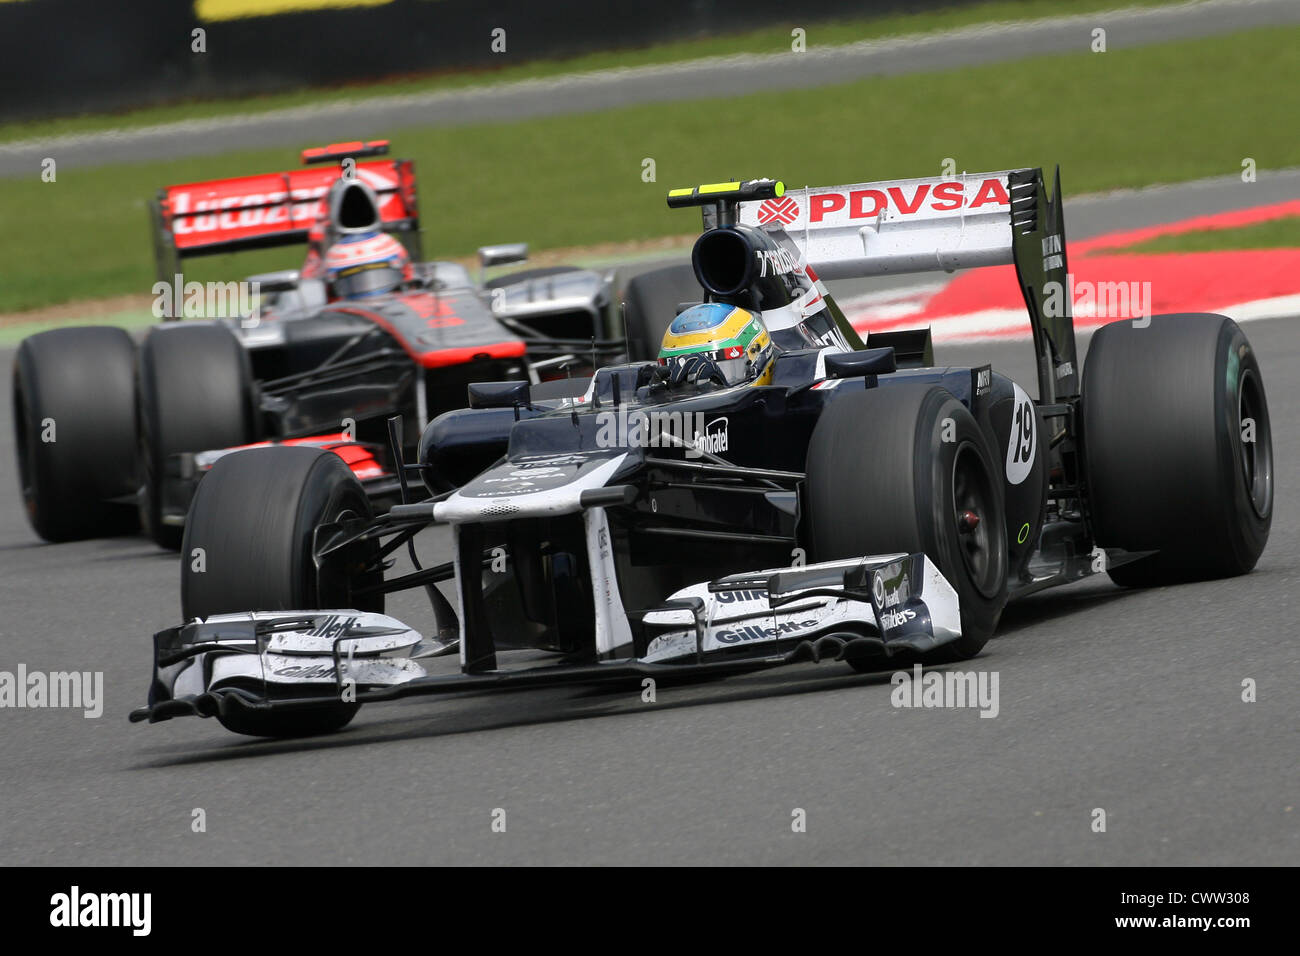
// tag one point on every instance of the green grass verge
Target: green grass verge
(1281, 233)
(768, 40)
(1163, 113)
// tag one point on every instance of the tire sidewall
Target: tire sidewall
(934, 463)
(327, 494)
(1234, 361)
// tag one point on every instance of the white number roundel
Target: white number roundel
(1024, 438)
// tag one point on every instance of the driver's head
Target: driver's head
(366, 264)
(717, 341)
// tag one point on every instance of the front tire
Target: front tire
(74, 431)
(254, 517)
(883, 477)
(1165, 412)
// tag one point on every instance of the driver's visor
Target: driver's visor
(725, 354)
(731, 359)
(369, 278)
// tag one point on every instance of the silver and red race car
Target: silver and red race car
(137, 426)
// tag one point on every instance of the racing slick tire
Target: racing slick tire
(254, 516)
(894, 468)
(74, 432)
(1177, 447)
(650, 305)
(195, 393)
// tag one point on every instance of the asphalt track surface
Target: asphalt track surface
(1129, 701)
(696, 79)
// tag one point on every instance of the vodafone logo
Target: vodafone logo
(784, 210)
(869, 203)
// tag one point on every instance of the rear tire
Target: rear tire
(1168, 469)
(79, 382)
(196, 393)
(651, 301)
(255, 515)
(881, 479)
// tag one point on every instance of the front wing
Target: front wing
(846, 610)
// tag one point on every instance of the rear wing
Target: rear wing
(941, 224)
(276, 209)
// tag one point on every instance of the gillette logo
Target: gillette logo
(739, 635)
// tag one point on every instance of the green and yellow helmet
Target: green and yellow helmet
(714, 336)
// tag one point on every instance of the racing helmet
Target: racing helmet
(365, 265)
(725, 343)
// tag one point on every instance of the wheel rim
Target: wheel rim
(980, 546)
(335, 578)
(1256, 457)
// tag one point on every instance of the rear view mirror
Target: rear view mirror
(862, 362)
(503, 254)
(282, 281)
(499, 394)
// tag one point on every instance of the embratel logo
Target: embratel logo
(715, 439)
(784, 210)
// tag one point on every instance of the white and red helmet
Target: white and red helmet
(365, 265)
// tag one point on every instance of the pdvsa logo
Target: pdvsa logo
(784, 210)
(835, 206)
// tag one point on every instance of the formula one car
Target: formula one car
(139, 427)
(771, 490)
